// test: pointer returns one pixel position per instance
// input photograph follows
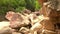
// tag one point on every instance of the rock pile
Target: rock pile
(45, 21)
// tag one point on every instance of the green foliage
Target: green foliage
(18, 5)
(6, 5)
(30, 5)
(19, 9)
(37, 6)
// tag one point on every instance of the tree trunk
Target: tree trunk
(51, 9)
